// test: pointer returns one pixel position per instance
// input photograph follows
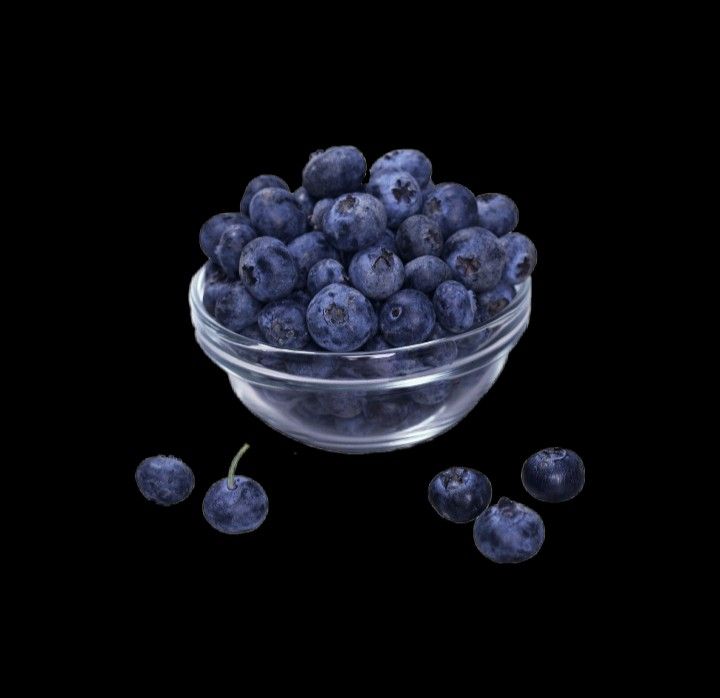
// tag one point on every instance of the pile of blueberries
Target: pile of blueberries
(343, 265)
(507, 531)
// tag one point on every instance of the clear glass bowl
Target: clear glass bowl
(363, 402)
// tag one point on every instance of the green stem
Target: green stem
(233, 466)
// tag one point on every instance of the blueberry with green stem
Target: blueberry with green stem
(165, 480)
(235, 504)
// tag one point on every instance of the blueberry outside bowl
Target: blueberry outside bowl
(363, 402)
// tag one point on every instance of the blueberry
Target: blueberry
(553, 475)
(238, 510)
(214, 273)
(324, 273)
(521, 257)
(307, 202)
(255, 185)
(334, 171)
(282, 324)
(346, 404)
(214, 227)
(443, 353)
(491, 303)
(307, 250)
(452, 207)
(399, 193)
(407, 318)
(454, 306)
(322, 366)
(431, 394)
(412, 161)
(376, 343)
(253, 332)
(498, 213)
(386, 411)
(267, 269)
(340, 318)
(418, 236)
(476, 258)
(355, 221)
(276, 212)
(459, 494)
(231, 243)
(235, 308)
(377, 272)
(301, 297)
(508, 532)
(317, 220)
(164, 480)
(426, 273)
(211, 294)
(387, 240)
(428, 191)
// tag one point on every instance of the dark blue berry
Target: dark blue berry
(407, 159)
(476, 258)
(387, 240)
(307, 203)
(235, 308)
(214, 227)
(238, 510)
(460, 494)
(255, 185)
(165, 480)
(491, 303)
(407, 318)
(267, 269)
(324, 273)
(443, 353)
(454, 306)
(317, 220)
(418, 236)
(282, 324)
(277, 213)
(399, 193)
(426, 273)
(231, 243)
(498, 213)
(309, 249)
(377, 272)
(452, 207)
(334, 171)
(355, 221)
(521, 257)
(553, 475)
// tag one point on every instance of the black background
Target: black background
(336, 521)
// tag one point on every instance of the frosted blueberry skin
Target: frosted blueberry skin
(412, 161)
(232, 241)
(334, 171)
(307, 203)
(377, 272)
(455, 306)
(324, 273)
(165, 480)
(355, 221)
(235, 308)
(553, 475)
(282, 324)
(508, 532)
(476, 258)
(317, 220)
(426, 273)
(277, 213)
(267, 269)
(238, 510)
(498, 213)
(340, 318)
(491, 303)
(459, 494)
(213, 228)
(307, 250)
(255, 185)
(399, 193)
(521, 257)
(452, 207)
(387, 239)
(407, 318)
(418, 236)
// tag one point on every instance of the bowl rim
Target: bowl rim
(197, 284)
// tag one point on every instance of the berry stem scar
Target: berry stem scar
(233, 466)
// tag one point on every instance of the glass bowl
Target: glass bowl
(363, 402)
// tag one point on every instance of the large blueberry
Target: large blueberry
(255, 185)
(418, 236)
(239, 509)
(498, 213)
(231, 243)
(317, 220)
(426, 273)
(212, 292)
(165, 480)
(267, 269)
(509, 532)
(553, 475)
(521, 257)
(491, 303)
(213, 228)
(276, 212)
(399, 193)
(452, 207)
(407, 159)
(324, 273)
(355, 221)
(454, 306)
(282, 324)
(340, 318)
(235, 308)
(460, 494)
(476, 258)
(334, 171)
(377, 272)
(309, 249)
(407, 318)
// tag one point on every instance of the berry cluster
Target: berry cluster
(344, 265)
